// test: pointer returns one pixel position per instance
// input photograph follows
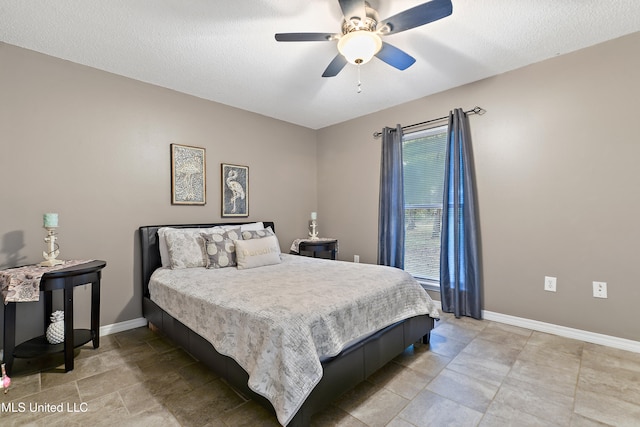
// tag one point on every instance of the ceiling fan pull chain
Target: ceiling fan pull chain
(359, 87)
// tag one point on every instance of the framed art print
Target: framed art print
(188, 175)
(235, 190)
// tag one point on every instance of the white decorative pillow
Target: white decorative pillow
(164, 250)
(165, 259)
(185, 250)
(257, 252)
(220, 248)
(243, 227)
(252, 226)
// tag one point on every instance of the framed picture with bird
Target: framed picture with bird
(188, 175)
(235, 190)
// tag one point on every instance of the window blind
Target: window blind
(424, 156)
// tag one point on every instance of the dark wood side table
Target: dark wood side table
(325, 248)
(64, 279)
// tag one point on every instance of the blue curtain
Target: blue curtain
(391, 207)
(460, 276)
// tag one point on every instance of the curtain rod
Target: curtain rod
(476, 110)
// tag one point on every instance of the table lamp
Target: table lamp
(50, 223)
(313, 234)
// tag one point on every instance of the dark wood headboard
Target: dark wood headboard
(150, 248)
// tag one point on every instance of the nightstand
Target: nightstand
(321, 248)
(65, 279)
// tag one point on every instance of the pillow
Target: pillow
(257, 252)
(253, 226)
(186, 250)
(220, 248)
(250, 226)
(162, 243)
(165, 259)
(257, 234)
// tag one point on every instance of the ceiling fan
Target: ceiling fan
(362, 33)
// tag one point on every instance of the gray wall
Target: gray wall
(556, 158)
(94, 147)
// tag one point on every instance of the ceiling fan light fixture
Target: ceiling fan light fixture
(358, 47)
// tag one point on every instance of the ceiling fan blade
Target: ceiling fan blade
(353, 9)
(416, 16)
(306, 37)
(335, 66)
(395, 57)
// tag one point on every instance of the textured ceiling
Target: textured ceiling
(225, 51)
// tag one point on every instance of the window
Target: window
(424, 157)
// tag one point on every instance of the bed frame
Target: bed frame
(341, 373)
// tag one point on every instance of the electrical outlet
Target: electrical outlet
(600, 289)
(356, 258)
(550, 284)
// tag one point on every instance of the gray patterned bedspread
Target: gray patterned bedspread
(277, 321)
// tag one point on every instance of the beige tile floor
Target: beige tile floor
(474, 373)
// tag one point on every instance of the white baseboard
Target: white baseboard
(122, 326)
(563, 331)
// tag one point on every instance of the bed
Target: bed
(334, 371)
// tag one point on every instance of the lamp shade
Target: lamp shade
(50, 220)
(358, 47)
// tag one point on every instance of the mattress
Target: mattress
(279, 321)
